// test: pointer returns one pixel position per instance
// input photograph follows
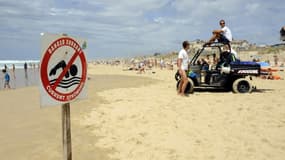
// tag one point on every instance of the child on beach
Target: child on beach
(7, 79)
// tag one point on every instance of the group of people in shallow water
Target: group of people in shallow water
(222, 35)
(7, 77)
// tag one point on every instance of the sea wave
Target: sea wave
(19, 63)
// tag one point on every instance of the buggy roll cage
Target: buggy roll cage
(215, 44)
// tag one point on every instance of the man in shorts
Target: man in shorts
(182, 64)
(223, 35)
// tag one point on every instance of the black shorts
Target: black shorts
(223, 39)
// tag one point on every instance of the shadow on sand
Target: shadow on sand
(222, 90)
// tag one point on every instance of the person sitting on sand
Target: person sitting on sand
(141, 67)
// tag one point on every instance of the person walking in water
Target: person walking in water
(26, 70)
(6, 79)
(13, 70)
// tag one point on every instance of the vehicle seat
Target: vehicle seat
(225, 59)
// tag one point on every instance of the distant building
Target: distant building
(237, 45)
(196, 44)
(240, 45)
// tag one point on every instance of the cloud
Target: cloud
(120, 28)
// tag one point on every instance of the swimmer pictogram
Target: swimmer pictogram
(63, 75)
(70, 77)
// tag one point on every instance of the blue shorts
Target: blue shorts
(223, 39)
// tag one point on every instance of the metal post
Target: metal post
(66, 132)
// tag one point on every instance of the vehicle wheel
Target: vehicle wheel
(177, 76)
(177, 84)
(242, 86)
(189, 87)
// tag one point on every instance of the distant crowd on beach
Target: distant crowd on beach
(141, 64)
(147, 63)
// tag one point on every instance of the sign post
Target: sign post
(66, 132)
(63, 71)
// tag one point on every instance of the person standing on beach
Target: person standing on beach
(276, 59)
(182, 64)
(26, 70)
(6, 78)
(13, 70)
(161, 63)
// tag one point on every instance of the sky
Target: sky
(127, 28)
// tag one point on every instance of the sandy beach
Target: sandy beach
(130, 116)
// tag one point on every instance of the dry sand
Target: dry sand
(131, 116)
(31, 133)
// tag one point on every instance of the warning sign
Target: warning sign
(63, 69)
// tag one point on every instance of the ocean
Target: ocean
(19, 63)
